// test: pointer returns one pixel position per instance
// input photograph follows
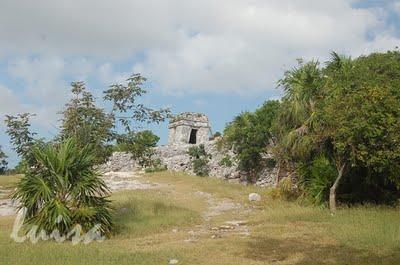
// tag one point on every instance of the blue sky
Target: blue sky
(216, 57)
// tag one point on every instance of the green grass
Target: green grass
(7, 184)
(8, 181)
(281, 232)
(143, 213)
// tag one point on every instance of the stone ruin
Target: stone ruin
(185, 130)
(189, 128)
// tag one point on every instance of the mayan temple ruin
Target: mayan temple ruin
(189, 128)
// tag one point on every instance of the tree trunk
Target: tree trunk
(332, 191)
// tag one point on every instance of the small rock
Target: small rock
(254, 197)
(173, 261)
(236, 223)
(175, 230)
(225, 227)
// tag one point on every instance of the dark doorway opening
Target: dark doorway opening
(193, 136)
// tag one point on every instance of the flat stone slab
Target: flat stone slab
(128, 181)
(7, 207)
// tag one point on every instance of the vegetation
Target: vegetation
(140, 145)
(126, 109)
(18, 128)
(199, 159)
(63, 191)
(250, 134)
(3, 162)
(226, 161)
(87, 123)
(336, 128)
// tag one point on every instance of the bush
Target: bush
(156, 169)
(140, 145)
(199, 159)
(3, 162)
(217, 134)
(285, 190)
(249, 134)
(156, 166)
(226, 161)
(317, 179)
(63, 190)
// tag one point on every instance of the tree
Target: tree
(361, 119)
(87, 123)
(3, 161)
(250, 134)
(126, 109)
(63, 190)
(18, 128)
(140, 145)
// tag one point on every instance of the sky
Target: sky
(215, 57)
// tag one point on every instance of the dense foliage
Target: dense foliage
(140, 145)
(249, 134)
(63, 191)
(18, 128)
(87, 123)
(199, 159)
(3, 161)
(336, 128)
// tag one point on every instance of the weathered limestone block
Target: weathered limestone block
(188, 128)
(119, 161)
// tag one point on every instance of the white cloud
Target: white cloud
(9, 103)
(238, 46)
(42, 77)
(107, 74)
(396, 6)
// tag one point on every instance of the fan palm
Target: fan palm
(302, 87)
(63, 190)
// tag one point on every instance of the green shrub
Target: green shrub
(284, 190)
(140, 145)
(270, 163)
(63, 190)
(318, 178)
(199, 159)
(249, 134)
(226, 161)
(217, 134)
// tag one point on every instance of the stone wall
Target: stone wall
(119, 161)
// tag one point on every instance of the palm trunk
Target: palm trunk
(332, 192)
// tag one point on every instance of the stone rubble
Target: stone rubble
(119, 161)
(175, 158)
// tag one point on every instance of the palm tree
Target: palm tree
(63, 190)
(302, 86)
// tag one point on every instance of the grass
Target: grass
(8, 181)
(152, 226)
(7, 184)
